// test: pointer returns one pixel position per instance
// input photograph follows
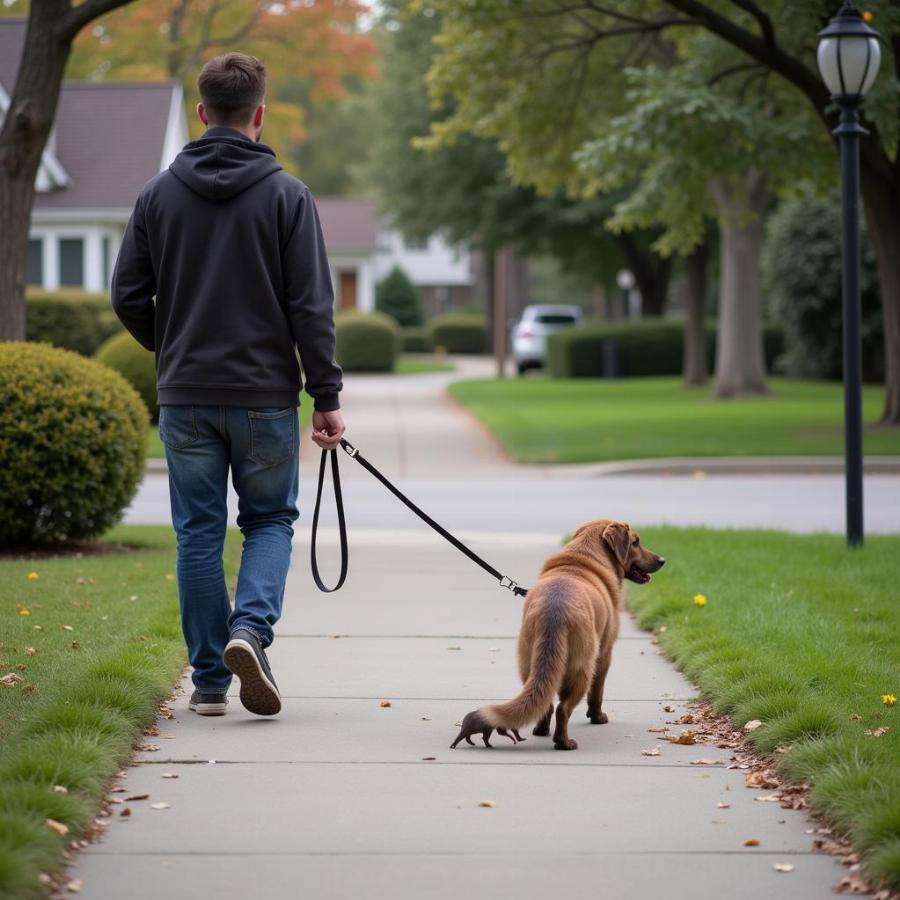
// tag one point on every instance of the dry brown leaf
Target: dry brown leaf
(454, 648)
(706, 762)
(169, 775)
(74, 886)
(152, 731)
(668, 708)
(137, 797)
(652, 751)
(687, 719)
(11, 680)
(30, 651)
(160, 805)
(660, 730)
(686, 737)
(761, 780)
(768, 798)
(125, 812)
(59, 789)
(385, 704)
(783, 867)
(488, 804)
(877, 732)
(855, 717)
(752, 725)
(751, 842)
(852, 884)
(58, 827)
(148, 748)
(429, 758)
(723, 805)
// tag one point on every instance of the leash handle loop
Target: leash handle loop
(342, 525)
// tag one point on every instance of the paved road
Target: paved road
(342, 796)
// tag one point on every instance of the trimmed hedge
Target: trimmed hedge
(135, 364)
(645, 347)
(459, 333)
(73, 436)
(414, 340)
(71, 319)
(366, 342)
(397, 296)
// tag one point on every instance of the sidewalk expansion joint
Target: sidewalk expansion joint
(418, 762)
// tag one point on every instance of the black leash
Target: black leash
(353, 453)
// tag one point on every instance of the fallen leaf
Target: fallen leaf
(706, 762)
(660, 730)
(385, 704)
(429, 758)
(877, 732)
(760, 780)
(59, 789)
(751, 842)
(44, 878)
(668, 708)
(137, 797)
(752, 725)
(68, 628)
(33, 576)
(74, 886)
(160, 805)
(686, 719)
(30, 651)
(152, 731)
(852, 884)
(783, 867)
(76, 645)
(723, 805)
(652, 751)
(125, 811)
(454, 648)
(37, 627)
(169, 775)
(489, 804)
(24, 611)
(114, 800)
(686, 737)
(148, 748)
(426, 718)
(58, 827)
(11, 680)
(768, 798)
(855, 717)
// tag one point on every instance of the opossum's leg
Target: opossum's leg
(473, 723)
(511, 733)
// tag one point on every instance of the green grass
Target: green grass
(421, 364)
(802, 633)
(586, 420)
(101, 645)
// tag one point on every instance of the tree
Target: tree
(396, 296)
(52, 27)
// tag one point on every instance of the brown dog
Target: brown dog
(569, 624)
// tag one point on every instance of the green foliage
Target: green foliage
(72, 440)
(366, 342)
(135, 364)
(599, 419)
(799, 632)
(414, 340)
(396, 296)
(644, 347)
(458, 333)
(802, 275)
(71, 319)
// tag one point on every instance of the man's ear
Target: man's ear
(616, 536)
(201, 112)
(258, 115)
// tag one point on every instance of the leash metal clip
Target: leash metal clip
(508, 583)
(348, 448)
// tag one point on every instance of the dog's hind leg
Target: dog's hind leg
(542, 729)
(595, 694)
(570, 695)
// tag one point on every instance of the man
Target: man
(231, 248)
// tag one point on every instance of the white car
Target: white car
(529, 334)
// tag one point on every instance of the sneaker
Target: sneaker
(246, 658)
(208, 703)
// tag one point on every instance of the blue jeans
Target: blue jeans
(262, 448)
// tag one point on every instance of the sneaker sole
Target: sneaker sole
(208, 709)
(258, 694)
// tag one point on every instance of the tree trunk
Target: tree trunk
(882, 208)
(696, 367)
(651, 274)
(740, 360)
(52, 26)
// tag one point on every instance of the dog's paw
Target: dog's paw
(567, 744)
(602, 719)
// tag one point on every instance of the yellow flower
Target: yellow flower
(33, 576)
(888, 699)
(170, 577)
(868, 16)
(24, 611)
(699, 600)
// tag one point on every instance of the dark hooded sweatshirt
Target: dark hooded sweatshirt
(231, 248)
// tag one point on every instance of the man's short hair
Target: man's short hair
(231, 87)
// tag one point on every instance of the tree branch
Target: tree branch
(765, 23)
(84, 13)
(733, 70)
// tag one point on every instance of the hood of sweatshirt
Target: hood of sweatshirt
(223, 163)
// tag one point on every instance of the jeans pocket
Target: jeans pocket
(177, 426)
(272, 434)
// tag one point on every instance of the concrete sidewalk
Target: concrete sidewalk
(337, 798)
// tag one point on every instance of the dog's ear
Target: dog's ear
(616, 535)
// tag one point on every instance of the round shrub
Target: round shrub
(396, 296)
(802, 277)
(73, 320)
(135, 364)
(414, 340)
(366, 342)
(73, 438)
(459, 333)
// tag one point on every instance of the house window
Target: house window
(71, 262)
(105, 247)
(34, 267)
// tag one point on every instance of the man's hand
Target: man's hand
(327, 429)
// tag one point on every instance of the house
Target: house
(110, 138)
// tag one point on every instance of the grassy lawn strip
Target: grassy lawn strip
(801, 633)
(97, 643)
(542, 420)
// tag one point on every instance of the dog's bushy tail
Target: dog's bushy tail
(548, 665)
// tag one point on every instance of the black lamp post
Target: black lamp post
(849, 56)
